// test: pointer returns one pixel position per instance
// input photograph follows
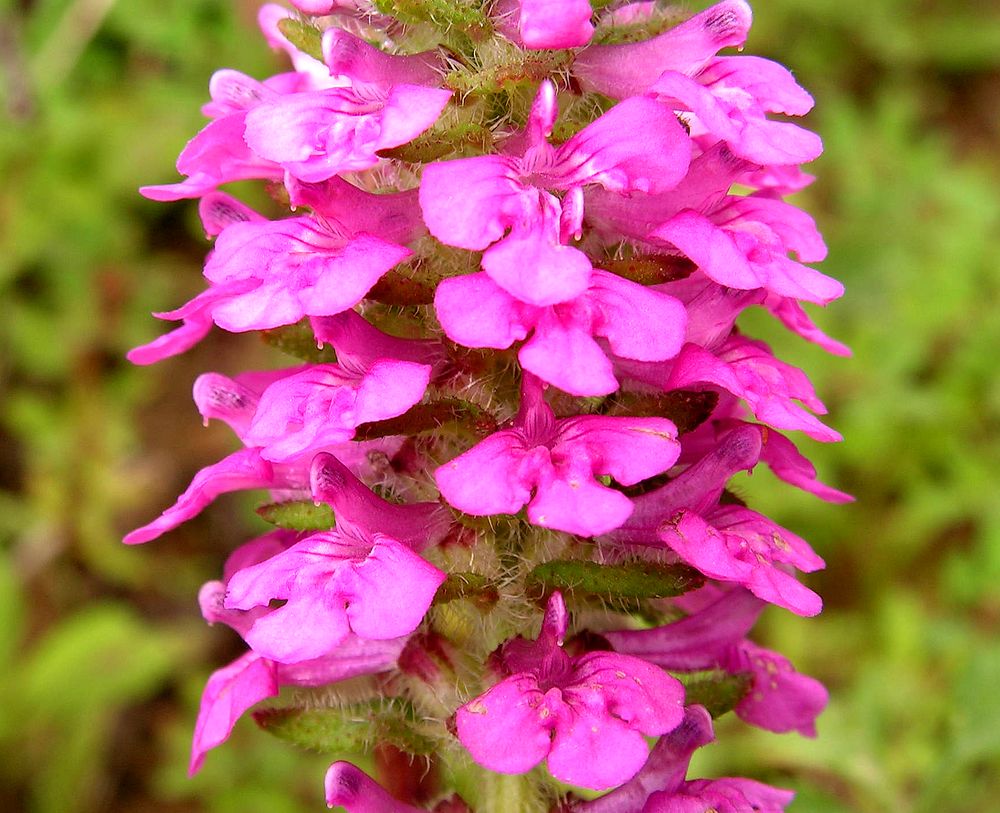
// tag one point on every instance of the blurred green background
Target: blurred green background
(104, 648)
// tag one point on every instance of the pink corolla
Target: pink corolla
(295, 413)
(562, 347)
(713, 636)
(551, 465)
(661, 787)
(543, 24)
(234, 688)
(365, 577)
(728, 97)
(265, 274)
(726, 542)
(315, 135)
(747, 369)
(740, 242)
(349, 787)
(587, 716)
(473, 203)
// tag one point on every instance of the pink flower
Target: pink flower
(264, 274)
(351, 788)
(315, 135)
(749, 370)
(714, 637)
(586, 716)
(551, 464)
(660, 787)
(363, 577)
(542, 24)
(725, 542)
(637, 322)
(729, 97)
(233, 689)
(636, 146)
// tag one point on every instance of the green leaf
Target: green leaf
(637, 580)
(717, 691)
(298, 340)
(427, 417)
(688, 409)
(298, 515)
(308, 39)
(471, 586)
(347, 730)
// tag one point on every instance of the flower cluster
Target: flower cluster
(509, 245)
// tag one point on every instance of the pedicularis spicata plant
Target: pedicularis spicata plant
(506, 564)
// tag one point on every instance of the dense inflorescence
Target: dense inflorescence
(517, 238)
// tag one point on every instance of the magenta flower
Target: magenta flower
(345, 580)
(728, 543)
(714, 637)
(233, 689)
(660, 787)
(748, 370)
(551, 464)
(354, 790)
(636, 146)
(728, 97)
(545, 24)
(586, 716)
(583, 271)
(637, 322)
(315, 135)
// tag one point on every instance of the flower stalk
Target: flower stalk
(519, 236)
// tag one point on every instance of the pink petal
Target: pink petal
(230, 691)
(771, 85)
(389, 388)
(637, 146)
(704, 547)
(470, 202)
(638, 322)
(781, 699)
(357, 792)
(547, 24)
(785, 460)
(698, 641)
(244, 469)
(506, 729)
(353, 59)
(711, 248)
(797, 320)
(311, 624)
(416, 525)
(493, 477)
(389, 592)
(576, 504)
(626, 70)
(629, 449)
(594, 750)
(476, 312)
(532, 265)
(566, 355)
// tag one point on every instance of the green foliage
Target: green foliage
(298, 515)
(614, 582)
(347, 730)
(719, 692)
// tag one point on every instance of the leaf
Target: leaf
(718, 691)
(299, 515)
(350, 729)
(298, 340)
(636, 580)
(303, 36)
